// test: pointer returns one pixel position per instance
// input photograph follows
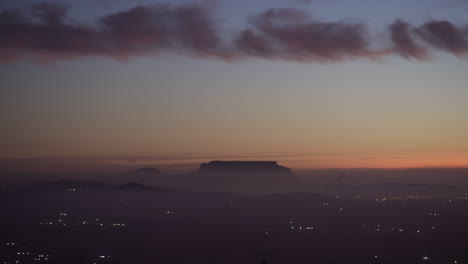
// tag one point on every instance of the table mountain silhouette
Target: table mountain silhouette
(244, 173)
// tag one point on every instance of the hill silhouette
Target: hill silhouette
(147, 170)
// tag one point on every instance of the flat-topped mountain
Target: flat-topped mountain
(242, 166)
(244, 176)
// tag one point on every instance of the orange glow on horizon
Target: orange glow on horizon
(322, 161)
(382, 163)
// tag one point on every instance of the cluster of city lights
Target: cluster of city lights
(64, 220)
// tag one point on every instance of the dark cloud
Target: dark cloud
(404, 43)
(138, 31)
(49, 13)
(287, 33)
(252, 44)
(50, 36)
(148, 29)
(46, 32)
(445, 36)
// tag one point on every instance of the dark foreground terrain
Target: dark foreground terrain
(71, 223)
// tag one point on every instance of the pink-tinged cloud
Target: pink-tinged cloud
(47, 33)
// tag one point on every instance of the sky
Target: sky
(311, 84)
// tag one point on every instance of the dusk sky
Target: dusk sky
(311, 84)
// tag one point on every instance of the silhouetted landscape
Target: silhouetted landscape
(73, 221)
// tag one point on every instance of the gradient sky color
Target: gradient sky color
(382, 113)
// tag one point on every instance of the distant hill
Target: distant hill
(147, 170)
(146, 176)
